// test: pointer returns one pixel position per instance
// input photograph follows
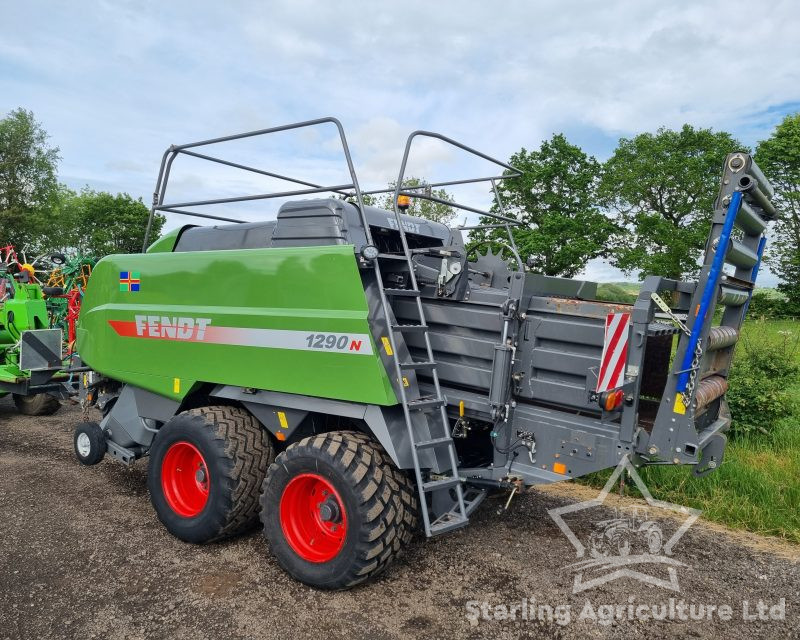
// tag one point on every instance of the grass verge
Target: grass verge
(757, 488)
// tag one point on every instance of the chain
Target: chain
(698, 351)
(687, 394)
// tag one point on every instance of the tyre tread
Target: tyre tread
(39, 404)
(247, 445)
(388, 504)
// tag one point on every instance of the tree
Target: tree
(98, 223)
(420, 207)
(28, 182)
(662, 187)
(779, 159)
(561, 228)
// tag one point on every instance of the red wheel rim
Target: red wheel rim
(313, 518)
(185, 479)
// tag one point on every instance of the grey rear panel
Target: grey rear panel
(562, 342)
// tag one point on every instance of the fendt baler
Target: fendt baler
(348, 372)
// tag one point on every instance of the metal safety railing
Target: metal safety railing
(347, 190)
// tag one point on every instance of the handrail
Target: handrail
(400, 189)
(348, 190)
(174, 151)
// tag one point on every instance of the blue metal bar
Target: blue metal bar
(711, 287)
(762, 243)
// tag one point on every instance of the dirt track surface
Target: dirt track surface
(82, 555)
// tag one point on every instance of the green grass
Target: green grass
(757, 488)
(772, 328)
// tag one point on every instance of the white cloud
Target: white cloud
(116, 82)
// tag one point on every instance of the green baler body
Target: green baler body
(292, 320)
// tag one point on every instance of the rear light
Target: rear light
(611, 400)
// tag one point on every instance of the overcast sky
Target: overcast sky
(114, 83)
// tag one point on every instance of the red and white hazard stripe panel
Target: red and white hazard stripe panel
(615, 352)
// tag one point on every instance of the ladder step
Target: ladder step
(409, 293)
(443, 524)
(431, 444)
(391, 256)
(410, 328)
(425, 402)
(430, 364)
(444, 483)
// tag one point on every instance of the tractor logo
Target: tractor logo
(626, 533)
(624, 545)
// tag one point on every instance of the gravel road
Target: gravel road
(82, 555)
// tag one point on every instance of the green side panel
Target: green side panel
(250, 294)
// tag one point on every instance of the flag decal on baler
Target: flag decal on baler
(129, 281)
(615, 352)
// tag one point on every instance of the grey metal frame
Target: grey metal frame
(311, 188)
(171, 154)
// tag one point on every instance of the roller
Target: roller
(730, 297)
(740, 255)
(749, 221)
(763, 183)
(749, 186)
(709, 390)
(721, 337)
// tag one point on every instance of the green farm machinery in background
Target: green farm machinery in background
(34, 320)
(65, 286)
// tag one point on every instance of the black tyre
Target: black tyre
(38, 404)
(90, 443)
(335, 510)
(205, 472)
(403, 487)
